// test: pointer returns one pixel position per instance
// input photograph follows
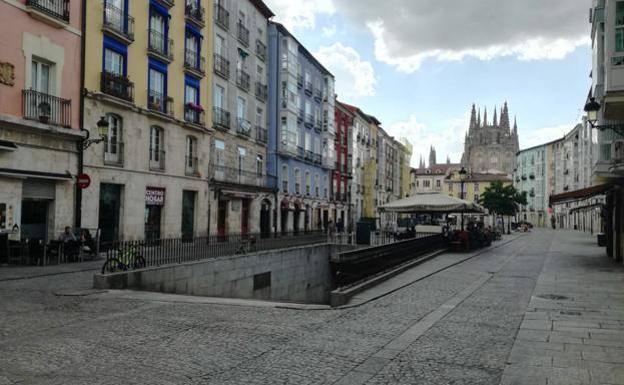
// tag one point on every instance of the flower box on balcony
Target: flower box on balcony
(195, 107)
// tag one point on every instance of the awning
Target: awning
(580, 194)
(5, 145)
(432, 203)
(22, 174)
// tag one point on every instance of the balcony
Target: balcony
(113, 154)
(237, 176)
(532, 176)
(160, 46)
(318, 95)
(49, 11)
(191, 166)
(242, 80)
(221, 119)
(309, 156)
(308, 88)
(167, 3)
(300, 152)
(118, 23)
(46, 108)
(261, 134)
(221, 66)
(194, 63)
(243, 127)
(194, 114)
(262, 92)
(317, 158)
(117, 85)
(318, 125)
(157, 160)
(309, 120)
(195, 13)
(299, 81)
(300, 115)
(222, 17)
(160, 103)
(261, 50)
(242, 34)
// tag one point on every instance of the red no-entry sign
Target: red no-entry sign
(83, 181)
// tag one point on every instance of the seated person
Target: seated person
(70, 243)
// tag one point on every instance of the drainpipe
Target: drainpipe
(78, 190)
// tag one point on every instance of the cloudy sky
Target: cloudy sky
(418, 65)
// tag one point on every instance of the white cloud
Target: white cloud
(535, 137)
(354, 77)
(300, 14)
(447, 142)
(329, 32)
(408, 32)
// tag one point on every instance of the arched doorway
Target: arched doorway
(265, 219)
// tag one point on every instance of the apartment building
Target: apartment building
(301, 99)
(145, 73)
(242, 196)
(40, 136)
(342, 170)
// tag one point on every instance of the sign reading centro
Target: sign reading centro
(154, 196)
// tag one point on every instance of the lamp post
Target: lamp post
(592, 107)
(462, 178)
(102, 126)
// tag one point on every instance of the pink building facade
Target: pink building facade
(40, 137)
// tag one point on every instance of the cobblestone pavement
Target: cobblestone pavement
(457, 326)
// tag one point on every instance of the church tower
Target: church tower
(432, 157)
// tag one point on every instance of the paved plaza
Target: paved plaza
(539, 308)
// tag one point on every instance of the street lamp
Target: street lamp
(592, 107)
(102, 126)
(462, 178)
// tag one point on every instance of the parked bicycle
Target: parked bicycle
(248, 245)
(124, 260)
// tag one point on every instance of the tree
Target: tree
(503, 200)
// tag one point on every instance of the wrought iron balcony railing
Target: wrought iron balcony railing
(222, 17)
(45, 108)
(261, 134)
(221, 118)
(118, 22)
(191, 166)
(299, 81)
(159, 102)
(194, 62)
(243, 34)
(309, 120)
(221, 66)
(262, 92)
(308, 88)
(261, 50)
(160, 45)
(237, 176)
(243, 127)
(58, 9)
(242, 80)
(113, 153)
(117, 85)
(195, 13)
(194, 114)
(157, 160)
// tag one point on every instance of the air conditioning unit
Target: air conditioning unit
(617, 151)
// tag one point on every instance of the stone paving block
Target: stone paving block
(536, 325)
(568, 376)
(533, 335)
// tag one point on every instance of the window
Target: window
(156, 146)
(308, 142)
(113, 62)
(193, 48)
(158, 32)
(325, 184)
(259, 117)
(242, 152)
(156, 90)
(438, 183)
(476, 198)
(284, 178)
(40, 79)
(241, 108)
(219, 97)
(316, 185)
(191, 94)
(260, 164)
(112, 145)
(297, 181)
(308, 181)
(219, 47)
(191, 152)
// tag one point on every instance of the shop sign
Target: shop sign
(154, 196)
(7, 74)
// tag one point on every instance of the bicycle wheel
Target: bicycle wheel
(112, 265)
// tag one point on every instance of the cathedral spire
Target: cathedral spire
(504, 119)
(473, 117)
(448, 159)
(432, 157)
(515, 127)
(485, 122)
(495, 123)
(479, 118)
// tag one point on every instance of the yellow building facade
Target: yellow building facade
(148, 73)
(474, 185)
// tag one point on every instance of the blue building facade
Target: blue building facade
(299, 141)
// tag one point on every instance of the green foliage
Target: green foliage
(502, 200)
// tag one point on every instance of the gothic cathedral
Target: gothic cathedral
(491, 148)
